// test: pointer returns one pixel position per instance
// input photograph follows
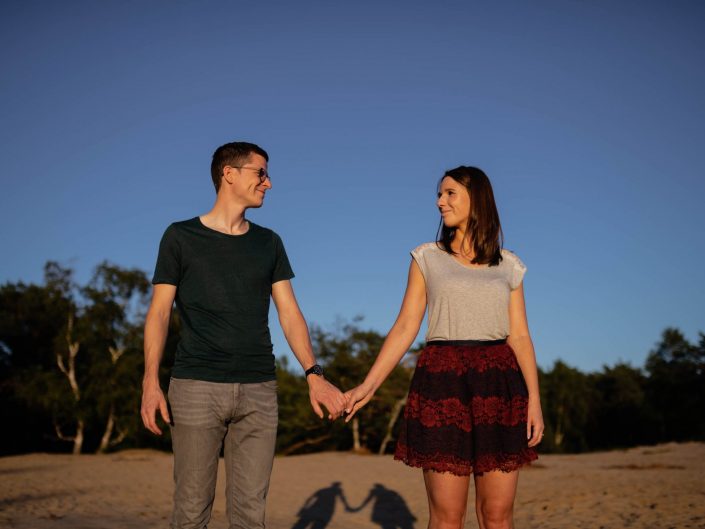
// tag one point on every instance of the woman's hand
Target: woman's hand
(534, 424)
(356, 398)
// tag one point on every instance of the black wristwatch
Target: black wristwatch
(315, 370)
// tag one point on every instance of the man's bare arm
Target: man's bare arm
(321, 392)
(156, 329)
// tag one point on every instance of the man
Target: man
(222, 269)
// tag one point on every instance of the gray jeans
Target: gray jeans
(207, 416)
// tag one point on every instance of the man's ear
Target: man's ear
(227, 174)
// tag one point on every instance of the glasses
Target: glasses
(262, 173)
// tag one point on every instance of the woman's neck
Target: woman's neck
(462, 244)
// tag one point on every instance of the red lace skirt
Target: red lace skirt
(466, 411)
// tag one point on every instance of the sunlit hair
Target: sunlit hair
(234, 154)
(483, 229)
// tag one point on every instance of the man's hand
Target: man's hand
(153, 400)
(322, 392)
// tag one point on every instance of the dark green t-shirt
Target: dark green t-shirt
(224, 283)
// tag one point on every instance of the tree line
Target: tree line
(71, 367)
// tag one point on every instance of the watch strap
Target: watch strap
(315, 370)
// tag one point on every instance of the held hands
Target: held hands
(356, 398)
(326, 394)
(323, 393)
(153, 400)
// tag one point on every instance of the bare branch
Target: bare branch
(61, 435)
(60, 363)
(116, 353)
(120, 438)
(70, 372)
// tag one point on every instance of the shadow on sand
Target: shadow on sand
(389, 510)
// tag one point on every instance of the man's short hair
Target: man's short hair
(234, 154)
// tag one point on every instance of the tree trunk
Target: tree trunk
(398, 406)
(105, 440)
(558, 435)
(356, 433)
(69, 369)
(76, 439)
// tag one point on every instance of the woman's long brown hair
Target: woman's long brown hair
(483, 229)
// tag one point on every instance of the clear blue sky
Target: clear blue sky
(589, 117)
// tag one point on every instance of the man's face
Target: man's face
(248, 183)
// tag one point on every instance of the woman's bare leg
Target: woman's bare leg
(447, 499)
(494, 499)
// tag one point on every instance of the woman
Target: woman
(473, 405)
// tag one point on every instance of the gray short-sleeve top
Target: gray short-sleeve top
(467, 303)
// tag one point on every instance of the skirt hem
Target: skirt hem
(452, 465)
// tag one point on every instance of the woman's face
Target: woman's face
(453, 203)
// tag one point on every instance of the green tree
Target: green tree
(676, 386)
(112, 322)
(566, 395)
(33, 321)
(620, 416)
(71, 361)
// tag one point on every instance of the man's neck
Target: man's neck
(226, 217)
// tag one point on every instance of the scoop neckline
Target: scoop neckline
(229, 235)
(452, 258)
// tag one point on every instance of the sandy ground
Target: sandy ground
(651, 487)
